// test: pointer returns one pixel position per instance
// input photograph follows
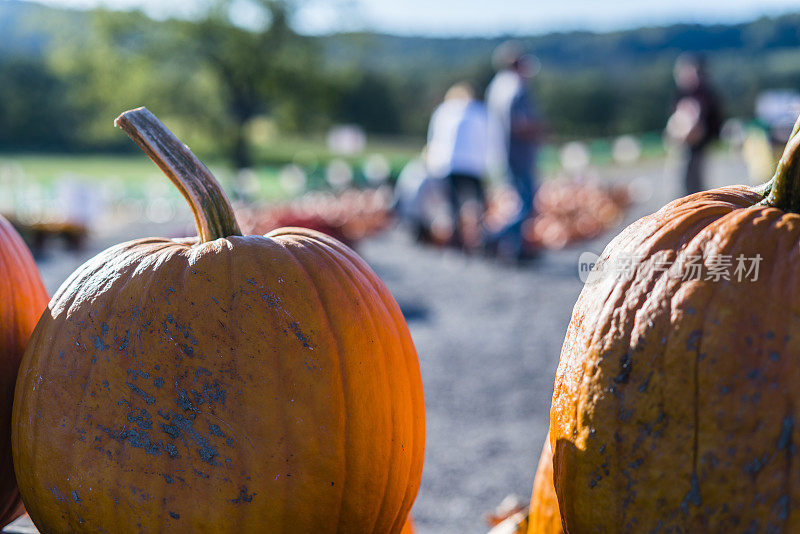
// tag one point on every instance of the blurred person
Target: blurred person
(458, 151)
(520, 130)
(417, 198)
(696, 119)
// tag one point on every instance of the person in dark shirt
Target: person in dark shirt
(696, 118)
(520, 129)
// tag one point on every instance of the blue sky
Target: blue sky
(486, 17)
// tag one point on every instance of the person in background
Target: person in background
(696, 119)
(458, 151)
(520, 129)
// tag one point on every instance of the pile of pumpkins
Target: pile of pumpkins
(349, 216)
(567, 211)
(234, 383)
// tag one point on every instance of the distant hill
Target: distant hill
(591, 84)
(28, 27)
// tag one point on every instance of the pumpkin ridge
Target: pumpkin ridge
(411, 371)
(335, 260)
(375, 304)
(340, 360)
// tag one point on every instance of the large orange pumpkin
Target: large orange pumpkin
(22, 300)
(226, 384)
(676, 398)
(543, 516)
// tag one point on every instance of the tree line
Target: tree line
(212, 79)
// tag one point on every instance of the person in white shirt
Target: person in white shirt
(458, 151)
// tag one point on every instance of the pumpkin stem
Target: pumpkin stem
(213, 213)
(784, 188)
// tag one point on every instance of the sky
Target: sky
(482, 17)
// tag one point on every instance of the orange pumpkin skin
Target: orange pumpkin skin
(219, 384)
(22, 300)
(271, 382)
(544, 516)
(409, 527)
(675, 403)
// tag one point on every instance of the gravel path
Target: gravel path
(488, 337)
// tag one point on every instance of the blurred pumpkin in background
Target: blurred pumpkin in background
(544, 516)
(22, 300)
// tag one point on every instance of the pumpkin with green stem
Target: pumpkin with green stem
(676, 397)
(226, 383)
(22, 300)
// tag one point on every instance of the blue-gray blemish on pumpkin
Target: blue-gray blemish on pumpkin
(98, 343)
(171, 449)
(216, 430)
(244, 496)
(187, 350)
(75, 496)
(625, 366)
(754, 374)
(207, 454)
(122, 342)
(694, 338)
(295, 327)
(158, 382)
(149, 399)
(272, 300)
(169, 479)
(135, 373)
(172, 430)
(754, 466)
(201, 371)
(183, 400)
(142, 419)
(61, 355)
(724, 390)
(693, 495)
(200, 473)
(57, 494)
(103, 329)
(782, 508)
(774, 356)
(229, 441)
(135, 438)
(206, 451)
(785, 439)
(173, 515)
(164, 413)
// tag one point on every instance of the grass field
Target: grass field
(137, 177)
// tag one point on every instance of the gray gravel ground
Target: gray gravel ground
(488, 338)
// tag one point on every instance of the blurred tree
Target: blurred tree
(32, 112)
(259, 63)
